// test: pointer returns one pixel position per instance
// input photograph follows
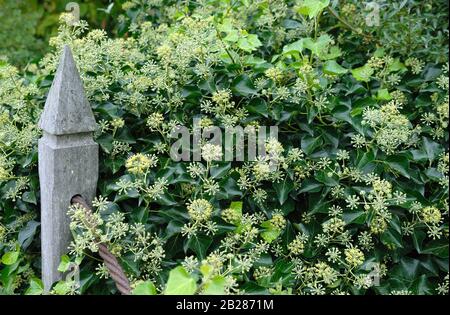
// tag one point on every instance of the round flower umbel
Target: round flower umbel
(262, 272)
(297, 246)
(392, 129)
(200, 210)
(378, 225)
(139, 163)
(415, 64)
(431, 215)
(334, 225)
(117, 123)
(211, 152)
(278, 221)
(354, 256)
(222, 97)
(325, 272)
(154, 121)
(261, 169)
(274, 74)
(274, 148)
(231, 216)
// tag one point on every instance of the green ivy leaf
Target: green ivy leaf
(418, 237)
(323, 177)
(249, 43)
(321, 47)
(232, 36)
(30, 197)
(258, 106)
(127, 261)
(180, 282)
(215, 286)
(144, 288)
(220, 170)
(283, 272)
(363, 73)
(271, 232)
(114, 164)
(10, 258)
(26, 234)
(206, 270)
(293, 48)
(432, 148)
(310, 186)
(63, 287)
(392, 237)
(400, 164)
(106, 142)
(236, 206)
(199, 244)
(312, 8)
(421, 286)
(310, 144)
(36, 287)
(283, 188)
(437, 248)
(230, 189)
(64, 264)
(396, 66)
(358, 217)
(243, 86)
(383, 95)
(333, 68)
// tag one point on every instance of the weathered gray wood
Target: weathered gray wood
(68, 161)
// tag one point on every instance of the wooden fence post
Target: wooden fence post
(68, 161)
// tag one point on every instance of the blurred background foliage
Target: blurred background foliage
(27, 25)
(407, 27)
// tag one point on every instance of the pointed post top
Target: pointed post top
(67, 110)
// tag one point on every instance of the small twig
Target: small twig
(348, 25)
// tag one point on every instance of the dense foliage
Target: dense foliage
(360, 189)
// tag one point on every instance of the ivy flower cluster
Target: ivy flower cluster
(121, 238)
(391, 128)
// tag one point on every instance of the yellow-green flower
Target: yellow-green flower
(221, 97)
(354, 256)
(200, 210)
(278, 221)
(2, 232)
(431, 215)
(274, 74)
(140, 163)
(297, 246)
(4, 174)
(378, 225)
(118, 123)
(154, 121)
